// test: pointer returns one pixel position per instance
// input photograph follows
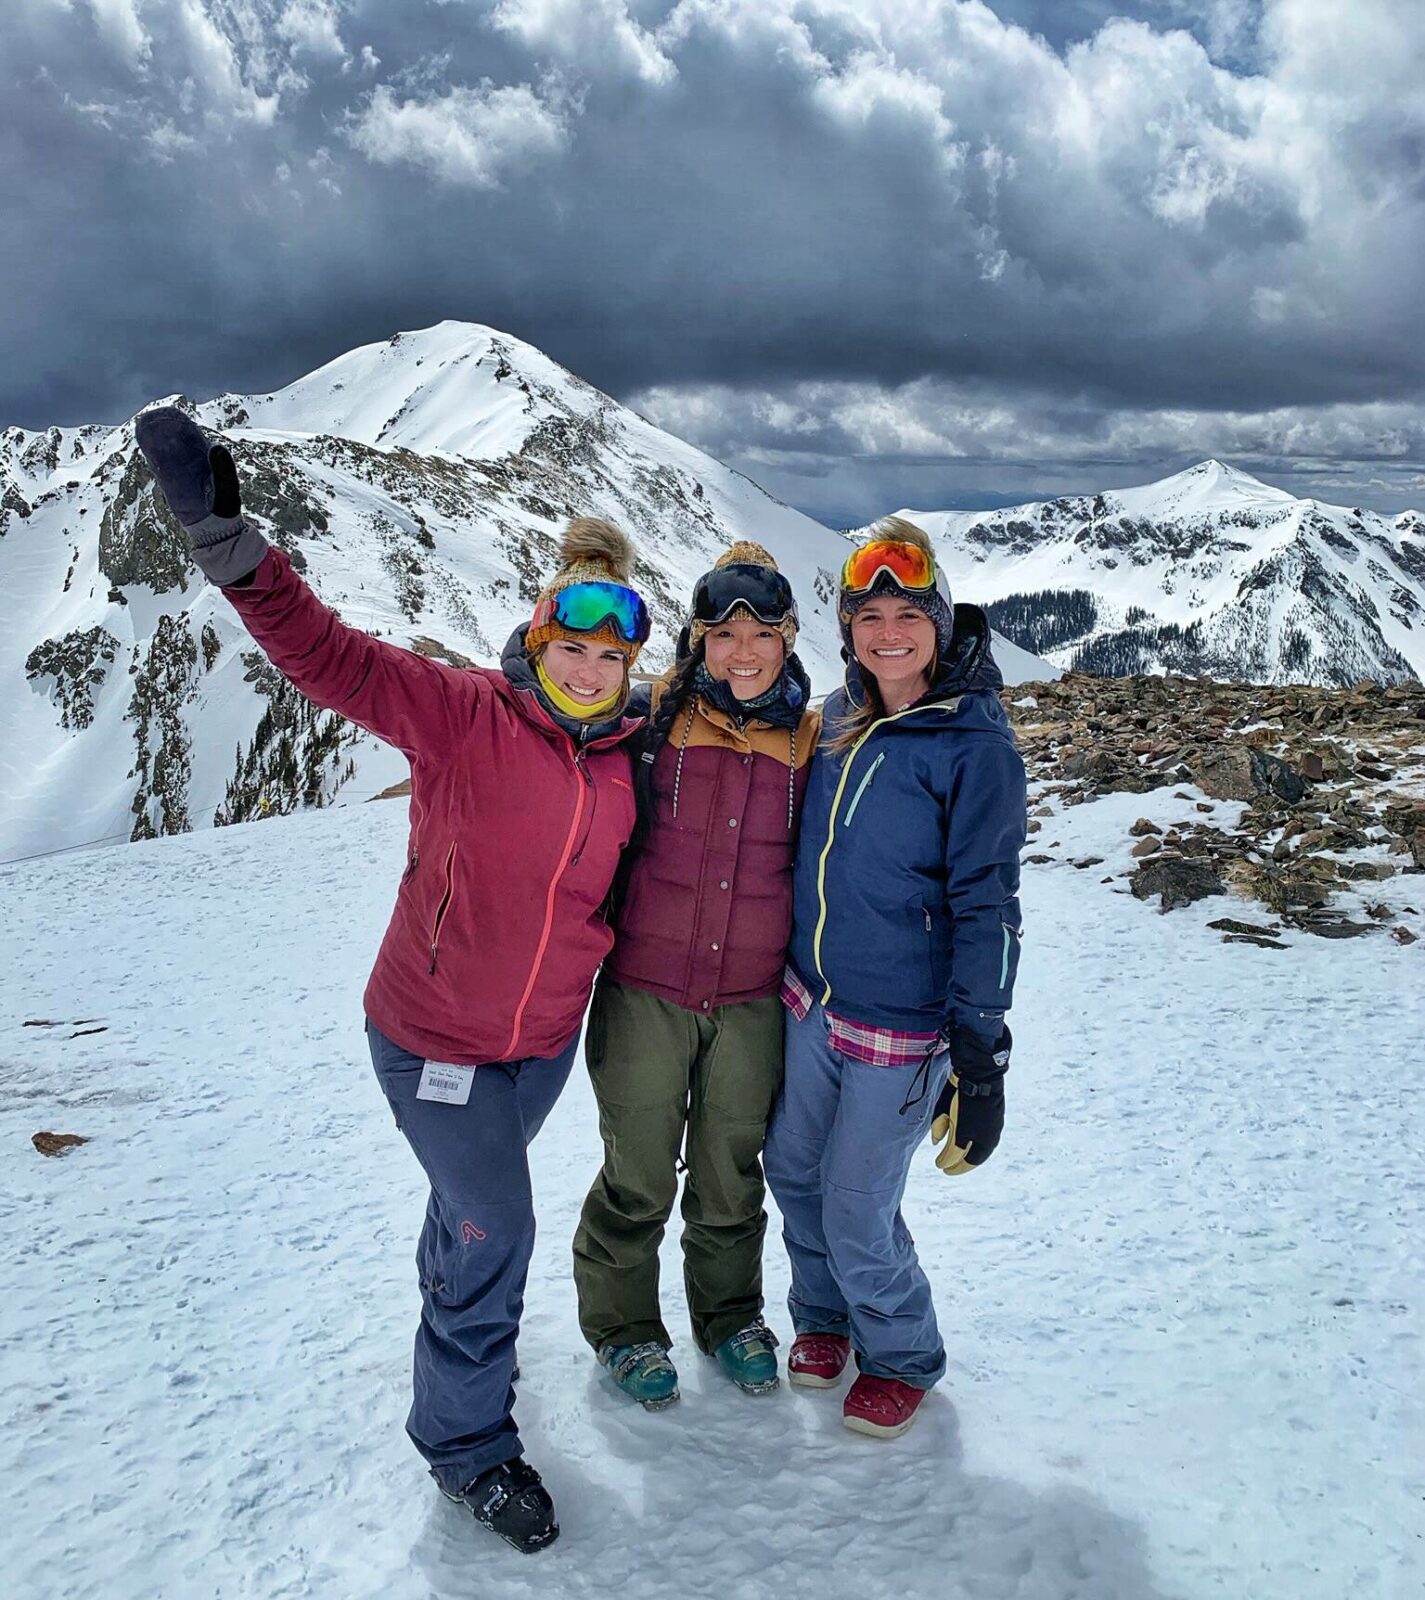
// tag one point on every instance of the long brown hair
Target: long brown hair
(859, 719)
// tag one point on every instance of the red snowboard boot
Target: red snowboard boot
(817, 1360)
(881, 1407)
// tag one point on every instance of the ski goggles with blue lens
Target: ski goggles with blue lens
(587, 607)
(761, 590)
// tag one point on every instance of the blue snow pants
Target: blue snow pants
(474, 1250)
(837, 1156)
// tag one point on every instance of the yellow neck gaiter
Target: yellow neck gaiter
(576, 708)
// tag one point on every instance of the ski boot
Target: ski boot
(817, 1360)
(509, 1499)
(749, 1358)
(643, 1372)
(881, 1407)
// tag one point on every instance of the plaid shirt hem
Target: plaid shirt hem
(861, 1041)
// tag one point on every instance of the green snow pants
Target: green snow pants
(659, 1072)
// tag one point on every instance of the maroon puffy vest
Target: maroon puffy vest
(707, 912)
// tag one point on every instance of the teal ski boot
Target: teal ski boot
(749, 1358)
(643, 1372)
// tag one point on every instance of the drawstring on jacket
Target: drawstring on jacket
(687, 734)
(791, 767)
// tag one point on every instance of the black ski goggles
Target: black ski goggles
(763, 592)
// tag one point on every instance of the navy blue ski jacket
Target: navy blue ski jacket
(906, 910)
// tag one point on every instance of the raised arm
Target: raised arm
(419, 705)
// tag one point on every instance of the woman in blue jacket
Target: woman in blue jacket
(904, 948)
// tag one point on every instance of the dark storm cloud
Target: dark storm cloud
(948, 232)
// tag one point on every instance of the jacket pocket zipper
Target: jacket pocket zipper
(861, 788)
(411, 866)
(442, 908)
(1011, 936)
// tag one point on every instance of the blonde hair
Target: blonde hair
(899, 528)
(860, 719)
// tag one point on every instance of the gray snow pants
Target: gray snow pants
(837, 1157)
(474, 1250)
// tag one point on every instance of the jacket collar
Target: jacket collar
(785, 710)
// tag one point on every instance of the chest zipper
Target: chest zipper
(584, 785)
(861, 789)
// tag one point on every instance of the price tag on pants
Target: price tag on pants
(446, 1082)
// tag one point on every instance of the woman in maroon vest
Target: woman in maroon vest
(684, 1039)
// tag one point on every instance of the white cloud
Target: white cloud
(593, 36)
(877, 189)
(311, 26)
(219, 89)
(167, 143)
(465, 136)
(936, 421)
(851, 452)
(118, 21)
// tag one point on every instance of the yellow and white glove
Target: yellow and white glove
(969, 1115)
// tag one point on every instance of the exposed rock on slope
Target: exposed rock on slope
(1311, 798)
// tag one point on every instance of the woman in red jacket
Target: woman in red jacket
(684, 1042)
(521, 802)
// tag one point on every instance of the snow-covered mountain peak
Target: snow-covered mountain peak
(1208, 489)
(1207, 571)
(457, 388)
(422, 483)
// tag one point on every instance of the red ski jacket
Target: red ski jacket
(516, 831)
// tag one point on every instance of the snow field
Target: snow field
(1183, 1303)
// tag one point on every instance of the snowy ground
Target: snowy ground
(1184, 1303)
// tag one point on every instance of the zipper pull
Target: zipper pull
(431, 970)
(925, 912)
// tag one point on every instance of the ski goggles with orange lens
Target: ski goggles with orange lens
(907, 566)
(587, 607)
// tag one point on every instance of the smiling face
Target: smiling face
(745, 654)
(588, 673)
(895, 643)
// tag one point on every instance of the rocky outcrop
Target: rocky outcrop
(297, 757)
(164, 682)
(1329, 785)
(140, 540)
(78, 664)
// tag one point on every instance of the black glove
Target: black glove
(200, 483)
(969, 1115)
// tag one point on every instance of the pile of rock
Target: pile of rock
(1324, 775)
